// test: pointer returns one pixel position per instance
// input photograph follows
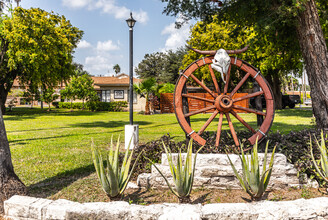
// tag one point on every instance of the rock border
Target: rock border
(30, 208)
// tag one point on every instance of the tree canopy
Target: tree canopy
(117, 68)
(36, 47)
(164, 67)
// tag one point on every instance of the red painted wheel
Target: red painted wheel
(222, 102)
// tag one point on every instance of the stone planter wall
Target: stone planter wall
(29, 208)
(214, 171)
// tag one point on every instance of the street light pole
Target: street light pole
(131, 75)
(131, 22)
(131, 130)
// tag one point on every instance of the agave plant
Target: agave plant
(112, 178)
(251, 180)
(323, 172)
(183, 175)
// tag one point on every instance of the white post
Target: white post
(131, 133)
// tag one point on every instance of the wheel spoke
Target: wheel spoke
(239, 84)
(217, 89)
(203, 86)
(227, 81)
(242, 121)
(218, 134)
(248, 96)
(199, 98)
(249, 110)
(200, 111)
(233, 132)
(208, 122)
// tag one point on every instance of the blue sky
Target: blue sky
(106, 35)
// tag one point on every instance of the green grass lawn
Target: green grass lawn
(51, 150)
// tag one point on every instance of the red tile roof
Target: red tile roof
(120, 80)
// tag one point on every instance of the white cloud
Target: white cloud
(176, 37)
(76, 3)
(108, 7)
(97, 64)
(107, 46)
(83, 44)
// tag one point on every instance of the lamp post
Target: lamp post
(131, 130)
(131, 22)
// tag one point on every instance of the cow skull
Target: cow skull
(221, 62)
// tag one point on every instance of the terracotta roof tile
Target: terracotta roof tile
(112, 80)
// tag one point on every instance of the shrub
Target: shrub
(251, 180)
(322, 166)
(96, 106)
(113, 179)
(183, 176)
(55, 104)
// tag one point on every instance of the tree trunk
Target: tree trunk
(3, 98)
(275, 83)
(10, 184)
(314, 51)
(147, 111)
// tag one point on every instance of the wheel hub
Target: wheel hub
(223, 103)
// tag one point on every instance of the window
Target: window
(118, 94)
(105, 95)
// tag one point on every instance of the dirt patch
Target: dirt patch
(88, 189)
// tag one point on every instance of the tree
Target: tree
(290, 19)
(48, 96)
(32, 93)
(117, 69)
(151, 66)
(172, 65)
(79, 69)
(10, 184)
(82, 88)
(146, 88)
(68, 93)
(164, 67)
(36, 46)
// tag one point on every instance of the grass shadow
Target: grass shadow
(295, 112)
(52, 185)
(109, 124)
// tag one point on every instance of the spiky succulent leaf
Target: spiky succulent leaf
(113, 179)
(251, 180)
(183, 173)
(323, 172)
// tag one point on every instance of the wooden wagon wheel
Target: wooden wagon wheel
(221, 101)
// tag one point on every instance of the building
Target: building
(116, 88)
(109, 89)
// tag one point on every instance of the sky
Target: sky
(106, 35)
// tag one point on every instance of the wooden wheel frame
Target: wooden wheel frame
(222, 102)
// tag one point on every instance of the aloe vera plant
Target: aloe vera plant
(183, 175)
(251, 180)
(323, 172)
(113, 179)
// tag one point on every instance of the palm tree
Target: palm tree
(117, 68)
(145, 88)
(17, 1)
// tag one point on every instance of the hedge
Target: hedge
(96, 106)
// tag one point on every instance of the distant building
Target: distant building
(116, 88)
(109, 89)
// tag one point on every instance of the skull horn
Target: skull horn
(238, 51)
(203, 52)
(213, 52)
